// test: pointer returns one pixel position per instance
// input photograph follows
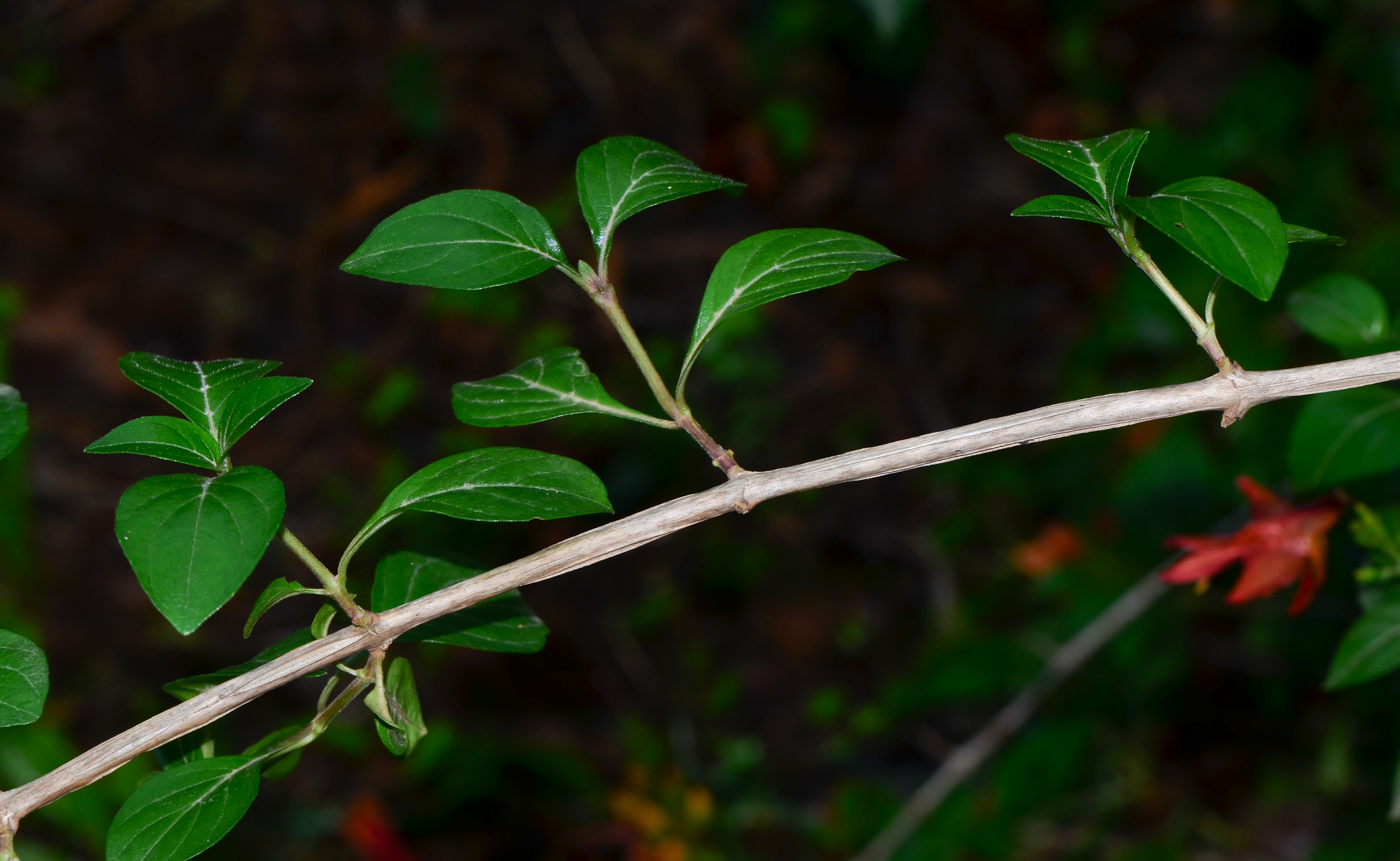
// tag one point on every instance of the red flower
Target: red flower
(1279, 545)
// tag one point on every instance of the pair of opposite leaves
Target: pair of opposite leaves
(470, 240)
(1230, 227)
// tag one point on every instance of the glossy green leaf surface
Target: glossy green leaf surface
(1064, 206)
(193, 540)
(620, 176)
(252, 403)
(1340, 436)
(1370, 648)
(276, 592)
(494, 485)
(1342, 310)
(1232, 228)
(24, 679)
(546, 387)
(197, 389)
(504, 623)
(775, 264)
(190, 686)
(1101, 166)
(181, 812)
(1296, 233)
(164, 437)
(398, 714)
(14, 419)
(461, 240)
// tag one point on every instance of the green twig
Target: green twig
(1204, 331)
(334, 586)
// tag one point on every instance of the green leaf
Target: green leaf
(1232, 228)
(461, 240)
(546, 387)
(1296, 234)
(281, 765)
(164, 437)
(197, 389)
(14, 419)
(1342, 310)
(504, 623)
(398, 714)
(493, 485)
(187, 748)
(276, 591)
(1339, 436)
(1064, 206)
(179, 813)
(774, 264)
(621, 176)
(253, 403)
(1370, 648)
(24, 680)
(321, 624)
(193, 540)
(192, 686)
(1101, 166)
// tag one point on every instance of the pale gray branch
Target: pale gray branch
(1233, 394)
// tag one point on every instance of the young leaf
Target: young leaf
(1100, 166)
(1232, 228)
(321, 624)
(164, 437)
(1339, 436)
(1065, 206)
(192, 540)
(14, 419)
(1342, 310)
(179, 813)
(494, 485)
(546, 387)
(253, 403)
(619, 177)
(24, 680)
(1295, 234)
(398, 714)
(276, 592)
(1370, 648)
(461, 240)
(504, 623)
(778, 263)
(196, 389)
(191, 686)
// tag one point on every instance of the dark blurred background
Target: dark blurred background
(184, 177)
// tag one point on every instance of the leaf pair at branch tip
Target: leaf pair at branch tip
(1101, 166)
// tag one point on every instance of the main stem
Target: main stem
(606, 298)
(1203, 330)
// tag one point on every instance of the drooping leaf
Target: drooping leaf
(164, 437)
(196, 389)
(494, 485)
(14, 419)
(1282, 544)
(1064, 206)
(192, 686)
(253, 403)
(621, 176)
(398, 714)
(546, 387)
(1370, 648)
(778, 263)
(179, 813)
(461, 240)
(193, 540)
(1339, 436)
(1296, 233)
(276, 592)
(1342, 310)
(504, 623)
(1101, 166)
(1232, 228)
(24, 679)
